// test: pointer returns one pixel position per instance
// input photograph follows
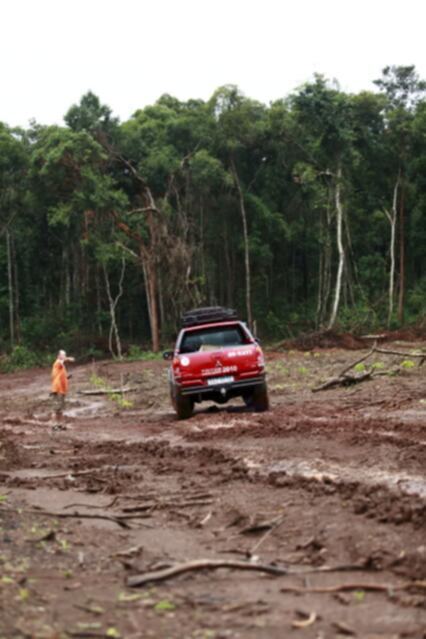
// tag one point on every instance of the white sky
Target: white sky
(130, 52)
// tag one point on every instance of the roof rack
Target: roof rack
(208, 314)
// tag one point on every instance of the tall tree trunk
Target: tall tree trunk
(98, 301)
(246, 243)
(11, 290)
(161, 300)
(202, 251)
(401, 298)
(327, 265)
(320, 287)
(113, 332)
(151, 284)
(340, 247)
(392, 217)
(16, 288)
(67, 276)
(229, 273)
(76, 274)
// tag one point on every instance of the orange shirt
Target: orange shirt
(59, 378)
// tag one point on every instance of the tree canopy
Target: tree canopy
(309, 212)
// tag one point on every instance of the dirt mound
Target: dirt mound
(348, 341)
(409, 334)
(323, 339)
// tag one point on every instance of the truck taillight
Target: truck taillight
(259, 357)
(176, 368)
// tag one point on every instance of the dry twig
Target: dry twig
(201, 564)
(214, 564)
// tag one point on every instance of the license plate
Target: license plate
(215, 381)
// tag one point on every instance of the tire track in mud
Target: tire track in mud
(389, 497)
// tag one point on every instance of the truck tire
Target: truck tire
(260, 399)
(183, 406)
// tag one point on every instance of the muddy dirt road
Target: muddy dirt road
(329, 488)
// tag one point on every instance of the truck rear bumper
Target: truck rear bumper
(234, 388)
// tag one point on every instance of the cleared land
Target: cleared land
(328, 487)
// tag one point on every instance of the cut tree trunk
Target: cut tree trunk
(340, 247)
(392, 217)
(11, 291)
(113, 332)
(246, 243)
(401, 258)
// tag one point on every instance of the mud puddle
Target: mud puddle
(336, 474)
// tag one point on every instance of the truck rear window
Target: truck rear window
(213, 338)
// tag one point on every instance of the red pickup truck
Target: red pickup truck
(215, 358)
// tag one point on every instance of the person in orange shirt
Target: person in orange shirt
(60, 383)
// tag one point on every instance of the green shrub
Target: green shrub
(137, 354)
(20, 357)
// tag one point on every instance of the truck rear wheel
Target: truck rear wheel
(260, 399)
(184, 406)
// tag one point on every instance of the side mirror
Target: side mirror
(168, 355)
(257, 340)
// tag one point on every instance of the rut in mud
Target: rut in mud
(330, 485)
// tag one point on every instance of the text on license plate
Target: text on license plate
(214, 381)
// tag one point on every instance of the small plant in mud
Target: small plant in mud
(407, 363)
(164, 606)
(136, 354)
(117, 397)
(279, 367)
(359, 368)
(279, 387)
(120, 401)
(378, 366)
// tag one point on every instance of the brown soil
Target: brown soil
(334, 479)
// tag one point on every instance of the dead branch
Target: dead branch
(345, 380)
(214, 564)
(120, 520)
(400, 353)
(166, 504)
(354, 586)
(201, 564)
(205, 519)
(358, 361)
(153, 496)
(305, 623)
(109, 391)
(17, 421)
(260, 541)
(71, 473)
(82, 505)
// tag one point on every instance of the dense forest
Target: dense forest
(307, 213)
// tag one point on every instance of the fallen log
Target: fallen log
(109, 391)
(345, 379)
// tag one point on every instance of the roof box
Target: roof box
(207, 315)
